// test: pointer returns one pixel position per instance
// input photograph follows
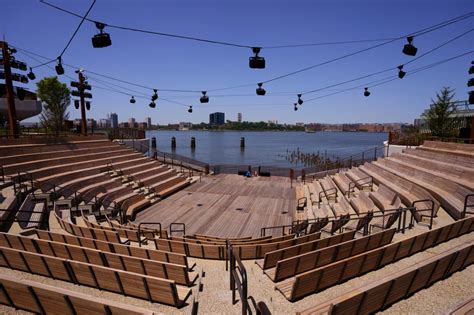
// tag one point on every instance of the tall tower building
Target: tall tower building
(113, 120)
(239, 117)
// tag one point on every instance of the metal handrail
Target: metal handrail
(466, 205)
(143, 223)
(238, 280)
(183, 230)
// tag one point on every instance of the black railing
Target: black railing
(182, 228)
(401, 214)
(467, 205)
(147, 223)
(238, 280)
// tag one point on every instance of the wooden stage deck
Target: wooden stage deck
(227, 206)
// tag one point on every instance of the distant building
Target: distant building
(217, 119)
(132, 123)
(185, 126)
(239, 117)
(148, 122)
(272, 122)
(123, 125)
(300, 124)
(104, 123)
(114, 120)
(142, 125)
(91, 123)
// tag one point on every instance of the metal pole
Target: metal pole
(83, 107)
(12, 120)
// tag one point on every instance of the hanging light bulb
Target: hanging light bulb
(190, 109)
(76, 104)
(366, 92)
(31, 75)
(471, 97)
(401, 73)
(23, 79)
(470, 82)
(20, 93)
(296, 107)
(152, 104)
(471, 70)
(256, 62)
(409, 49)
(102, 39)
(88, 105)
(132, 100)
(204, 98)
(59, 67)
(300, 101)
(260, 90)
(154, 97)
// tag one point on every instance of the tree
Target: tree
(439, 115)
(56, 98)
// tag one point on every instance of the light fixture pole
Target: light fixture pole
(12, 120)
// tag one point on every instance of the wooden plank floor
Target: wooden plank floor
(227, 206)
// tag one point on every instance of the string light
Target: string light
(409, 49)
(190, 109)
(204, 98)
(256, 62)
(366, 92)
(296, 107)
(59, 67)
(152, 104)
(260, 90)
(300, 101)
(154, 97)
(401, 73)
(31, 74)
(102, 39)
(132, 100)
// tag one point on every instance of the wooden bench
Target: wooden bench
(178, 273)
(39, 298)
(103, 278)
(329, 188)
(450, 194)
(411, 194)
(443, 157)
(127, 250)
(364, 208)
(379, 294)
(192, 249)
(344, 183)
(465, 307)
(292, 266)
(271, 258)
(359, 179)
(342, 211)
(254, 251)
(329, 275)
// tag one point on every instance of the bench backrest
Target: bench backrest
(254, 251)
(37, 298)
(103, 278)
(321, 278)
(159, 269)
(271, 258)
(122, 249)
(192, 249)
(377, 295)
(298, 264)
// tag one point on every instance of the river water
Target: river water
(264, 148)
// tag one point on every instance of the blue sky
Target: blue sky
(169, 63)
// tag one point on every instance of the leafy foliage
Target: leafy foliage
(439, 116)
(56, 98)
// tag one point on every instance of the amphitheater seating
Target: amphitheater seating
(39, 298)
(460, 175)
(103, 278)
(448, 147)
(344, 183)
(7, 205)
(360, 179)
(271, 258)
(31, 212)
(377, 295)
(131, 235)
(258, 250)
(410, 193)
(121, 249)
(450, 194)
(329, 188)
(292, 266)
(99, 234)
(441, 157)
(342, 210)
(364, 207)
(463, 307)
(177, 273)
(324, 277)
